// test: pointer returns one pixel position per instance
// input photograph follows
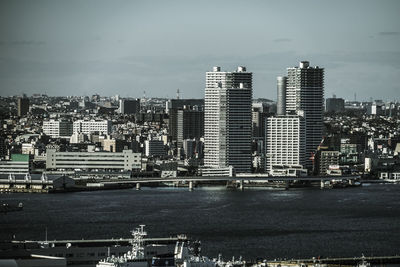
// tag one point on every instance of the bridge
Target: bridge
(240, 180)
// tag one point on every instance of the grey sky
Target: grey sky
(126, 47)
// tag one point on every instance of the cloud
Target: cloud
(280, 40)
(389, 33)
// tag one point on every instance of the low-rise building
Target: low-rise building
(57, 128)
(325, 159)
(19, 164)
(92, 126)
(154, 148)
(104, 161)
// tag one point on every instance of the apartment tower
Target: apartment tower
(227, 119)
(305, 92)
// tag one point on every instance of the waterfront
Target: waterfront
(254, 223)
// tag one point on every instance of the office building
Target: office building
(190, 124)
(104, 161)
(23, 106)
(305, 92)
(57, 128)
(129, 106)
(193, 108)
(185, 123)
(92, 126)
(154, 148)
(228, 120)
(334, 105)
(285, 142)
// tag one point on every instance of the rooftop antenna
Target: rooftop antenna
(177, 93)
(355, 97)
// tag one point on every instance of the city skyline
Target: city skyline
(264, 129)
(130, 47)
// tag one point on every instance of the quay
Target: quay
(347, 261)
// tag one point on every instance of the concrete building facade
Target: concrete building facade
(228, 119)
(57, 128)
(92, 126)
(285, 142)
(190, 124)
(334, 105)
(105, 161)
(129, 106)
(305, 92)
(154, 148)
(19, 164)
(23, 106)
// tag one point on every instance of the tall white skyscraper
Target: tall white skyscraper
(227, 119)
(305, 92)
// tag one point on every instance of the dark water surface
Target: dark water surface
(254, 223)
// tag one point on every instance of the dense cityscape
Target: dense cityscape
(227, 134)
(90, 143)
(199, 133)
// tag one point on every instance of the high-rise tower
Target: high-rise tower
(281, 90)
(305, 91)
(23, 106)
(227, 119)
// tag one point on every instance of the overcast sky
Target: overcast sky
(126, 47)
